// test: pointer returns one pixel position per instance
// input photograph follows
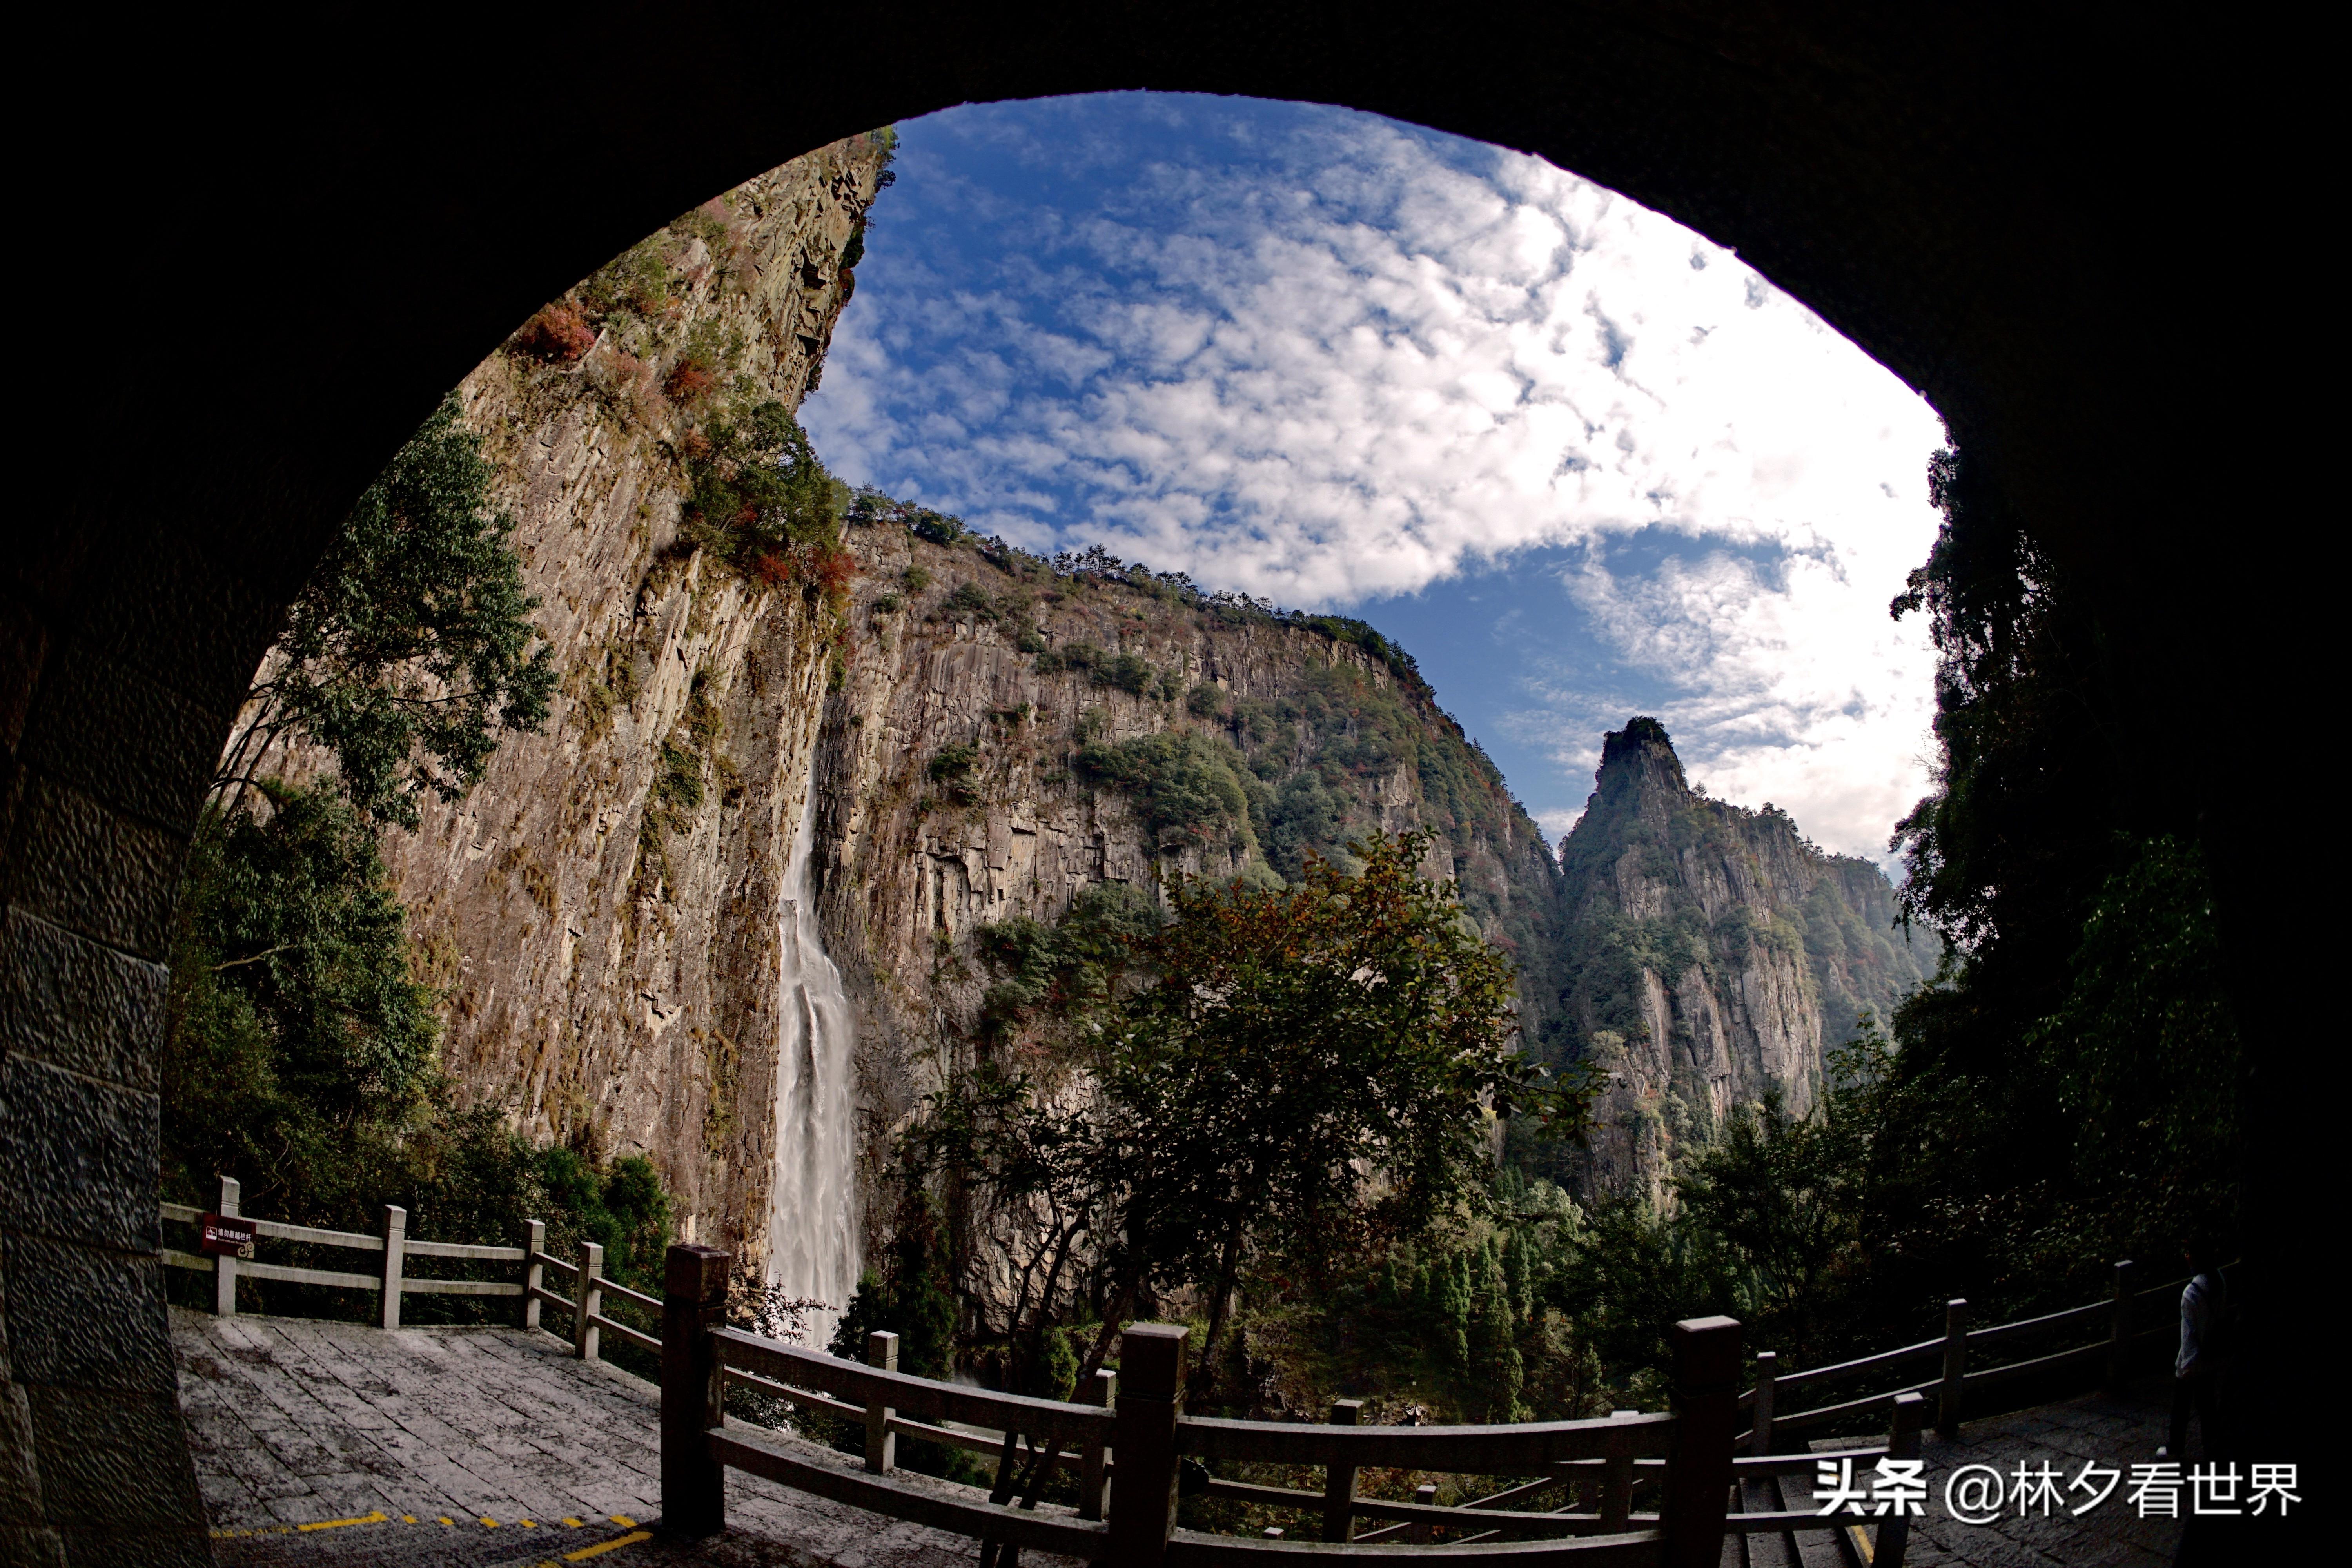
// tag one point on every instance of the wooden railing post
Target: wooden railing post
(1422, 1532)
(1706, 1419)
(2119, 1326)
(224, 1269)
(1098, 1392)
(694, 1302)
(881, 1443)
(1894, 1536)
(1614, 1502)
(1339, 1480)
(534, 1277)
(395, 1252)
(1150, 1398)
(1768, 1377)
(589, 1297)
(1956, 1369)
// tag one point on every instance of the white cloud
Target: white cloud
(1361, 359)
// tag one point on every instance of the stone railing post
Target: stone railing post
(1099, 1391)
(1150, 1398)
(2119, 1326)
(1893, 1537)
(694, 1302)
(588, 1300)
(1956, 1370)
(535, 1276)
(224, 1269)
(1706, 1419)
(1768, 1378)
(395, 1256)
(881, 1443)
(1420, 1533)
(1339, 1480)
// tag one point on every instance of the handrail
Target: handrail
(634, 1298)
(1848, 1368)
(1510, 1450)
(1957, 1344)
(740, 1448)
(703, 1356)
(391, 1280)
(2002, 1334)
(1044, 1419)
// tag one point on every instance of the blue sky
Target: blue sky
(1580, 461)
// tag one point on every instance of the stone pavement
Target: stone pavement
(2113, 1431)
(336, 1444)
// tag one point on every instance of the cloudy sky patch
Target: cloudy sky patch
(1580, 460)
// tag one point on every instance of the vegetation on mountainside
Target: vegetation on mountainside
(300, 1058)
(2072, 1091)
(1298, 1036)
(2065, 1091)
(408, 651)
(1317, 759)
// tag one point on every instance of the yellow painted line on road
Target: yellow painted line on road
(378, 1517)
(602, 1547)
(450, 1522)
(570, 1521)
(408, 1519)
(489, 1523)
(623, 1520)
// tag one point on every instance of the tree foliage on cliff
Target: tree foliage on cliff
(408, 651)
(1273, 1046)
(2072, 1089)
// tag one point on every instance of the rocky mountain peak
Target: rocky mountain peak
(1713, 955)
(1640, 774)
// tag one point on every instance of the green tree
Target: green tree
(1035, 1164)
(1779, 1198)
(1497, 1372)
(299, 1046)
(1301, 1037)
(408, 650)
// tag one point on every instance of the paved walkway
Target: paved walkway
(336, 1444)
(2111, 1431)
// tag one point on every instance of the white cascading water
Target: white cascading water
(812, 1226)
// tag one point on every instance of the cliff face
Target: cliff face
(1007, 736)
(1711, 953)
(602, 905)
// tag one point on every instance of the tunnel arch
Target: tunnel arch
(292, 245)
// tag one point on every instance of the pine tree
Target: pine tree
(1497, 1368)
(1516, 1277)
(1453, 1326)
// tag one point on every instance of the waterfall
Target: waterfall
(812, 1226)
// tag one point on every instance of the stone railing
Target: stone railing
(2118, 1335)
(1639, 1489)
(390, 1250)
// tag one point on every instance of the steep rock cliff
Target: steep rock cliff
(1711, 953)
(603, 906)
(1007, 735)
